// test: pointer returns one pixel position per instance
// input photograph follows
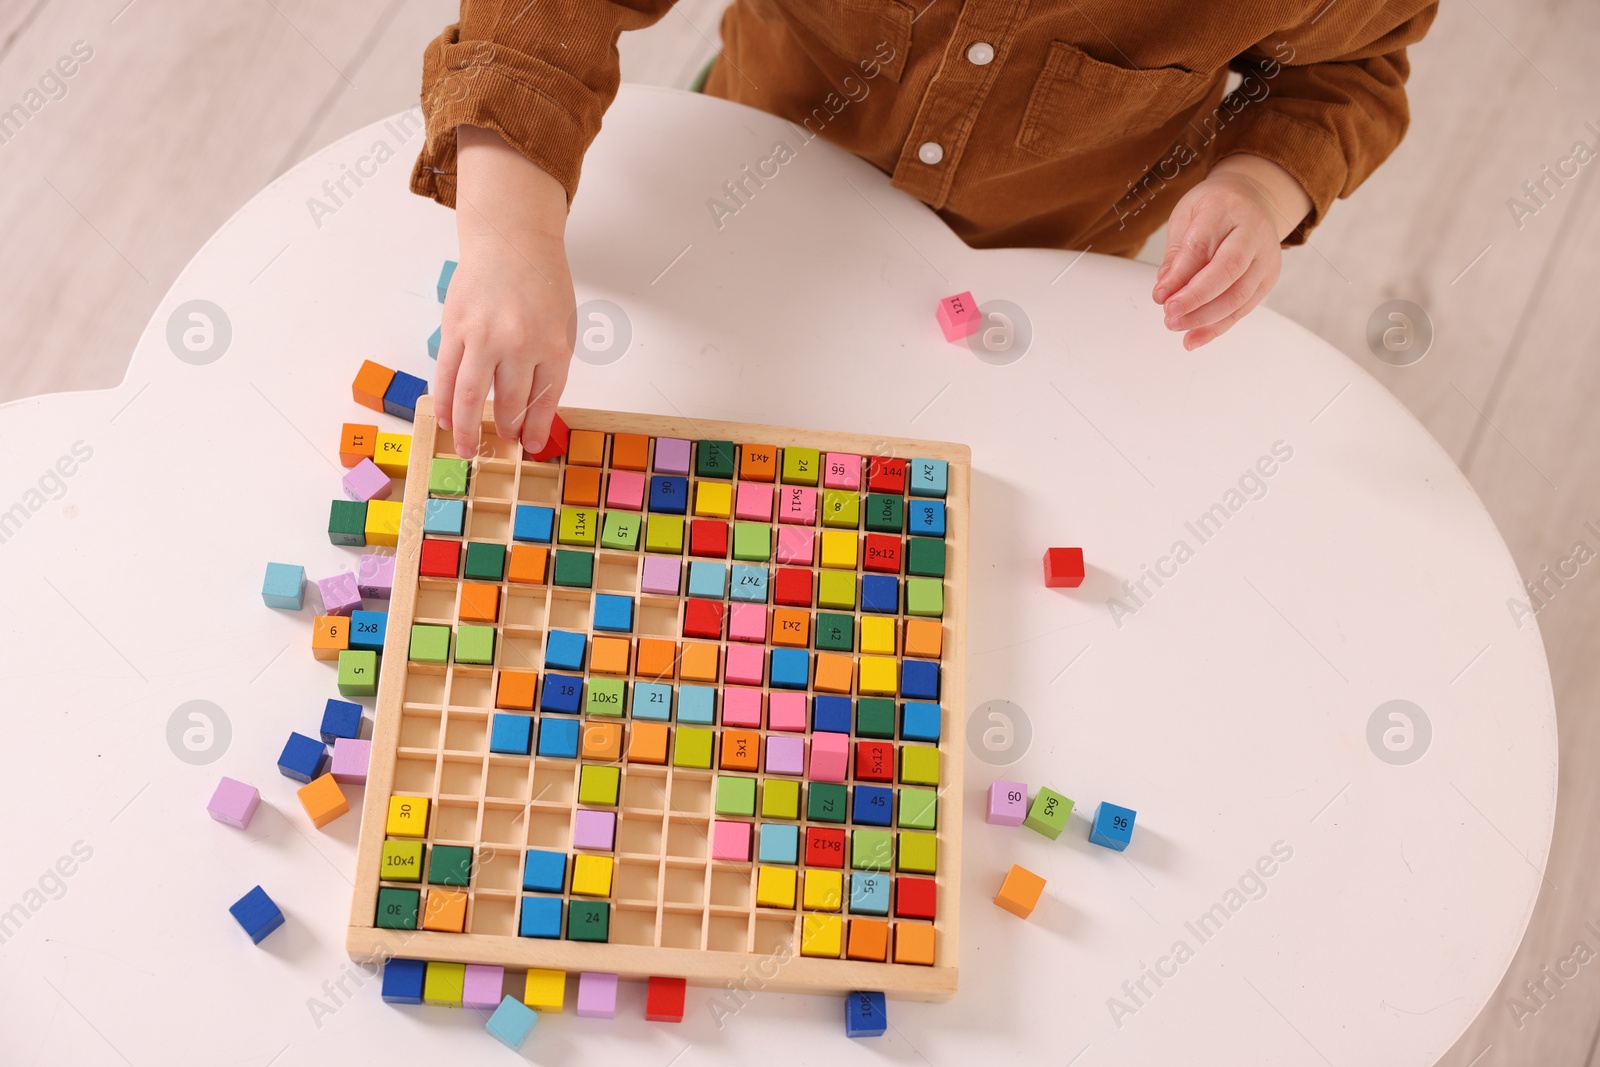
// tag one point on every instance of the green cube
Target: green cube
(713, 459)
(448, 477)
(752, 541)
(780, 799)
(588, 920)
(1048, 813)
(397, 909)
(825, 802)
(574, 568)
(925, 556)
(347, 523)
(736, 795)
(919, 765)
(402, 861)
(430, 644)
(358, 674)
(924, 596)
(606, 698)
(919, 853)
(485, 562)
(919, 809)
(801, 466)
(621, 530)
(692, 747)
(871, 850)
(874, 717)
(596, 785)
(474, 644)
(450, 865)
(885, 513)
(579, 526)
(836, 589)
(836, 633)
(664, 533)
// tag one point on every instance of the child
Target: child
(1081, 124)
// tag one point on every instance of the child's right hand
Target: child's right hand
(510, 314)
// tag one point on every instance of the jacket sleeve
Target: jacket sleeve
(541, 73)
(1327, 102)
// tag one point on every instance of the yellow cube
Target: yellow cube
(392, 453)
(919, 853)
(836, 589)
(878, 677)
(919, 765)
(408, 817)
(877, 635)
(821, 935)
(383, 522)
(824, 890)
(714, 500)
(599, 785)
(663, 533)
(775, 887)
(443, 984)
(839, 549)
(546, 990)
(591, 875)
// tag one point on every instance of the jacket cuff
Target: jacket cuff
(1311, 155)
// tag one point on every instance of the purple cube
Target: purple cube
(1008, 803)
(662, 575)
(234, 803)
(597, 995)
(375, 577)
(340, 594)
(481, 986)
(350, 759)
(365, 482)
(594, 829)
(786, 755)
(672, 455)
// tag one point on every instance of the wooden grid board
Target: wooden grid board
(672, 908)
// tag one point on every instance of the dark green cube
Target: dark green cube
(836, 633)
(450, 865)
(397, 909)
(588, 920)
(714, 459)
(574, 568)
(925, 557)
(874, 717)
(825, 802)
(347, 523)
(886, 514)
(485, 562)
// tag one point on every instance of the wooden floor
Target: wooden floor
(187, 107)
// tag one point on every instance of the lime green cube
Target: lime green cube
(736, 795)
(621, 531)
(579, 526)
(402, 861)
(919, 809)
(448, 477)
(664, 533)
(780, 799)
(919, 853)
(919, 765)
(1048, 813)
(840, 509)
(835, 633)
(430, 644)
(606, 697)
(924, 596)
(752, 541)
(574, 567)
(693, 747)
(836, 589)
(871, 850)
(358, 673)
(598, 784)
(474, 644)
(801, 466)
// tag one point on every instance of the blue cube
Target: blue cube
(256, 912)
(303, 758)
(652, 700)
(444, 517)
(865, 1015)
(669, 495)
(563, 651)
(541, 917)
(284, 586)
(1113, 826)
(435, 339)
(869, 893)
(920, 722)
(447, 272)
(562, 693)
(880, 593)
(511, 734)
(368, 629)
(925, 517)
(830, 714)
(779, 844)
(873, 806)
(927, 477)
(340, 718)
(707, 580)
(403, 980)
(544, 871)
(558, 738)
(697, 705)
(613, 613)
(533, 523)
(400, 400)
(791, 668)
(919, 679)
(511, 1023)
(749, 584)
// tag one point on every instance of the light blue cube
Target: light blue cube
(1113, 826)
(779, 844)
(533, 523)
(697, 705)
(928, 477)
(511, 1022)
(869, 893)
(435, 339)
(444, 517)
(284, 586)
(749, 584)
(613, 613)
(707, 580)
(652, 700)
(447, 272)
(920, 722)
(925, 517)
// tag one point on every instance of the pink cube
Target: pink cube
(959, 316)
(746, 665)
(663, 575)
(340, 594)
(797, 506)
(753, 502)
(595, 830)
(672, 455)
(375, 577)
(786, 755)
(234, 803)
(830, 757)
(625, 490)
(841, 470)
(741, 707)
(597, 995)
(1008, 803)
(730, 841)
(747, 622)
(482, 986)
(786, 711)
(366, 482)
(351, 757)
(796, 545)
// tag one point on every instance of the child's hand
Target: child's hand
(509, 314)
(1223, 250)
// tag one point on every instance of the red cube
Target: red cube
(792, 587)
(703, 618)
(439, 559)
(875, 761)
(554, 445)
(708, 537)
(663, 1001)
(882, 553)
(886, 475)
(914, 897)
(824, 847)
(1063, 568)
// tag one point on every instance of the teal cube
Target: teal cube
(284, 586)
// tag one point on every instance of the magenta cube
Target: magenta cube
(959, 316)
(753, 502)
(482, 985)
(597, 995)
(730, 841)
(595, 830)
(366, 482)
(841, 470)
(745, 665)
(747, 622)
(351, 757)
(340, 594)
(662, 575)
(672, 455)
(797, 505)
(797, 546)
(1008, 803)
(830, 756)
(741, 707)
(375, 577)
(625, 490)
(786, 755)
(234, 803)
(786, 711)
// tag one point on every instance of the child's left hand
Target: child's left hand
(1223, 252)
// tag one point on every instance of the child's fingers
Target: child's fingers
(472, 389)
(444, 378)
(1226, 303)
(513, 380)
(1227, 265)
(1206, 334)
(549, 379)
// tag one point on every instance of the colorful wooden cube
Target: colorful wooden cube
(233, 802)
(597, 995)
(323, 800)
(555, 443)
(1019, 893)
(1049, 813)
(403, 981)
(358, 673)
(511, 1022)
(257, 914)
(371, 383)
(375, 577)
(303, 758)
(1112, 827)
(351, 759)
(365, 482)
(340, 593)
(1063, 568)
(347, 523)
(400, 399)
(664, 997)
(392, 454)
(865, 1014)
(446, 272)
(959, 316)
(1008, 803)
(284, 586)
(357, 441)
(545, 990)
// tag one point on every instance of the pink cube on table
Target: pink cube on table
(1008, 803)
(786, 755)
(597, 995)
(595, 830)
(841, 470)
(730, 841)
(786, 711)
(375, 577)
(747, 622)
(741, 707)
(797, 506)
(351, 757)
(340, 594)
(797, 546)
(663, 575)
(672, 455)
(234, 803)
(481, 986)
(625, 490)
(830, 757)
(959, 316)
(746, 665)
(366, 482)
(753, 502)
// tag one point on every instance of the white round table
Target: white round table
(1276, 550)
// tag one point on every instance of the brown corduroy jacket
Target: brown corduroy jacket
(1042, 123)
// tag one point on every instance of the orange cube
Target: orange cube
(586, 448)
(330, 635)
(515, 690)
(869, 940)
(480, 602)
(835, 672)
(791, 628)
(609, 655)
(527, 564)
(741, 750)
(1019, 893)
(445, 909)
(581, 487)
(647, 743)
(913, 943)
(924, 637)
(699, 663)
(656, 658)
(602, 741)
(323, 800)
(372, 381)
(630, 451)
(758, 463)
(357, 442)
